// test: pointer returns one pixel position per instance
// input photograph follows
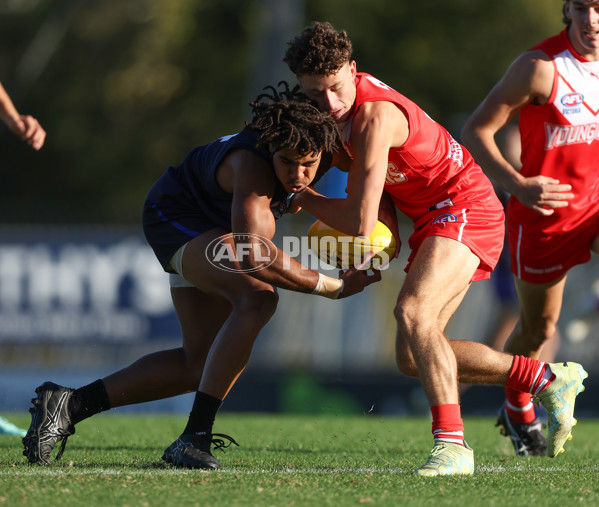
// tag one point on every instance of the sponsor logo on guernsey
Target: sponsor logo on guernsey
(562, 135)
(444, 218)
(540, 271)
(572, 99)
(571, 102)
(378, 82)
(394, 175)
(455, 152)
(442, 204)
(224, 139)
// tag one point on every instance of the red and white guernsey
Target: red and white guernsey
(435, 181)
(560, 139)
(431, 170)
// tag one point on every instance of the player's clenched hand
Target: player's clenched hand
(30, 131)
(543, 194)
(355, 279)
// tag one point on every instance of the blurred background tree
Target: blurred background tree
(126, 87)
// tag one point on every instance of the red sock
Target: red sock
(529, 375)
(526, 376)
(519, 408)
(447, 424)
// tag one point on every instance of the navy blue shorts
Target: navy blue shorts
(168, 228)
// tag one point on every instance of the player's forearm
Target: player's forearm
(8, 112)
(487, 154)
(287, 273)
(340, 214)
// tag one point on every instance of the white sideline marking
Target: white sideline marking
(323, 471)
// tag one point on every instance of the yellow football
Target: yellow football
(343, 251)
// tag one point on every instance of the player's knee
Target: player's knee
(544, 334)
(536, 336)
(402, 317)
(259, 306)
(409, 321)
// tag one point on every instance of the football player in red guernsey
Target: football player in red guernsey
(553, 212)
(394, 148)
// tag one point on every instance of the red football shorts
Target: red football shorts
(539, 257)
(482, 230)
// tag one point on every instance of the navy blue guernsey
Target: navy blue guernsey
(193, 185)
(187, 200)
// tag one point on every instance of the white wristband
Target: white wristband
(328, 287)
(318, 287)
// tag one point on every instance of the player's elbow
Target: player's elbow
(475, 136)
(468, 134)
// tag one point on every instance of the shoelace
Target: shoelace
(62, 446)
(219, 443)
(437, 449)
(65, 434)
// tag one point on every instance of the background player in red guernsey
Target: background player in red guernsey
(553, 212)
(395, 147)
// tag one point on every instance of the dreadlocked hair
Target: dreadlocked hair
(286, 119)
(318, 50)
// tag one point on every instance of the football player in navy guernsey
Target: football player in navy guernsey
(553, 211)
(210, 221)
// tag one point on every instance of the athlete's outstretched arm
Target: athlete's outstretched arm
(251, 214)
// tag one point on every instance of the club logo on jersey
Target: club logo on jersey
(229, 255)
(444, 218)
(394, 175)
(278, 209)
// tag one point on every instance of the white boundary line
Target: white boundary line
(286, 471)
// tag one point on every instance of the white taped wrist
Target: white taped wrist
(328, 287)
(318, 287)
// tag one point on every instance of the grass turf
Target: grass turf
(115, 460)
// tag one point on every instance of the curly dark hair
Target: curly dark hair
(318, 50)
(288, 119)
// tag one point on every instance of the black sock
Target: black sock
(88, 400)
(203, 413)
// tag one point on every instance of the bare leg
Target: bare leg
(177, 371)
(476, 362)
(252, 305)
(220, 318)
(540, 306)
(423, 309)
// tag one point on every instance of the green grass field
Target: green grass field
(295, 460)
